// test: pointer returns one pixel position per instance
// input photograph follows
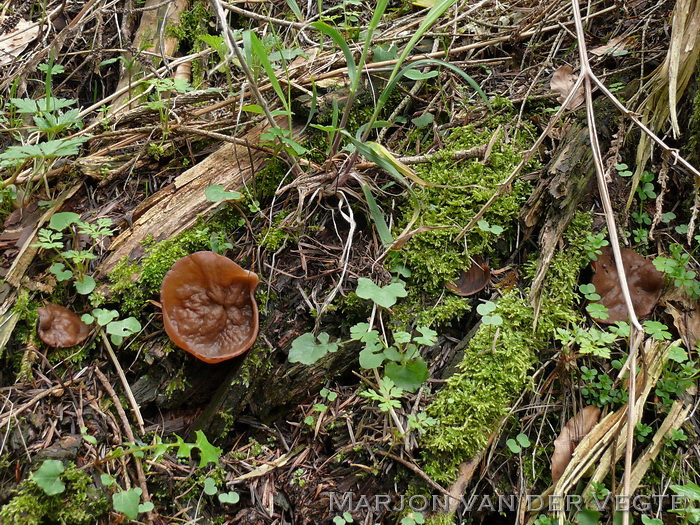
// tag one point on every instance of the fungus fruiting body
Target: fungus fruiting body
(473, 280)
(208, 306)
(644, 281)
(60, 327)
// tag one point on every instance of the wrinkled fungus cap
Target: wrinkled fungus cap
(208, 306)
(60, 327)
(645, 283)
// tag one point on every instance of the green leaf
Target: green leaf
(58, 269)
(414, 74)
(307, 350)
(486, 308)
(689, 490)
(378, 217)
(588, 517)
(342, 44)
(402, 337)
(428, 337)
(208, 453)
(210, 487)
(48, 477)
(104, 317)
(230, 498)
(146, 507)
(370, 359)
(123, 328)
(87, 437)
(677, 354)
(127, 502)
(216, 193)
(60, 221)
(258, 50)
(513, 446)
(646, 520)
(184, 450)
(523, 440)
(85, 285)
(106, 479)
(408, 376)
(384, 296)
(362, 332)
(424, 120)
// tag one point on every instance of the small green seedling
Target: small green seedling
(517, 445)
(488, 317)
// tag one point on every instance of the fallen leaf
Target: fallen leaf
(473, 280)
(613, 45)
(571, 435)
(563, 80)
(686, 316)
(17, 40)
(644, 281)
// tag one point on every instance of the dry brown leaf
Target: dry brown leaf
(473, 280)
(686, 316)
(563, 80)
(613, 45)
(571, 435)
(17, 40)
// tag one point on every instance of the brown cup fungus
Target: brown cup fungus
(60, 327)
(473, 280)
(209, 308)
(645, 283)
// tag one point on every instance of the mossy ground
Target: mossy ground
(80, 503)
(494, 369)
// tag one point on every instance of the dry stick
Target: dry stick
(125, 383)
(635, 338)
(127, 429)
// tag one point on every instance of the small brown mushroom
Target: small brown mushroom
(209, 308)
(60, 327)
(473, 280)
(645, 283)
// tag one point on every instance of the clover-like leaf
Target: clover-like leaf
(230, 498)
(370, 359)
(385, 296)
(307, 349)
(48, 477)
(123, 328)
(103, 316)
(486, 308)
(428, 337)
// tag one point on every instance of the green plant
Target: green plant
(593, 245)
(642, 431)
(591, 341)
(413, 518)
(599, 388)
(488, 317)
(691, 492)
(116, 328)
(647, 520)
(73, 264)
(404, 364)
(676, 267)
(420, 422)
(160, 99)
(346, 517)
(517, 445)
(387, 397)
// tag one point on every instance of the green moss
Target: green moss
(275, 238)
(494, 369)
(434, 257)
(81, 502)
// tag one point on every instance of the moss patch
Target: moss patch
(81, 502)
(496, 362)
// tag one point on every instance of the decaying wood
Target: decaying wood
(175, 208)
(570, 173)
